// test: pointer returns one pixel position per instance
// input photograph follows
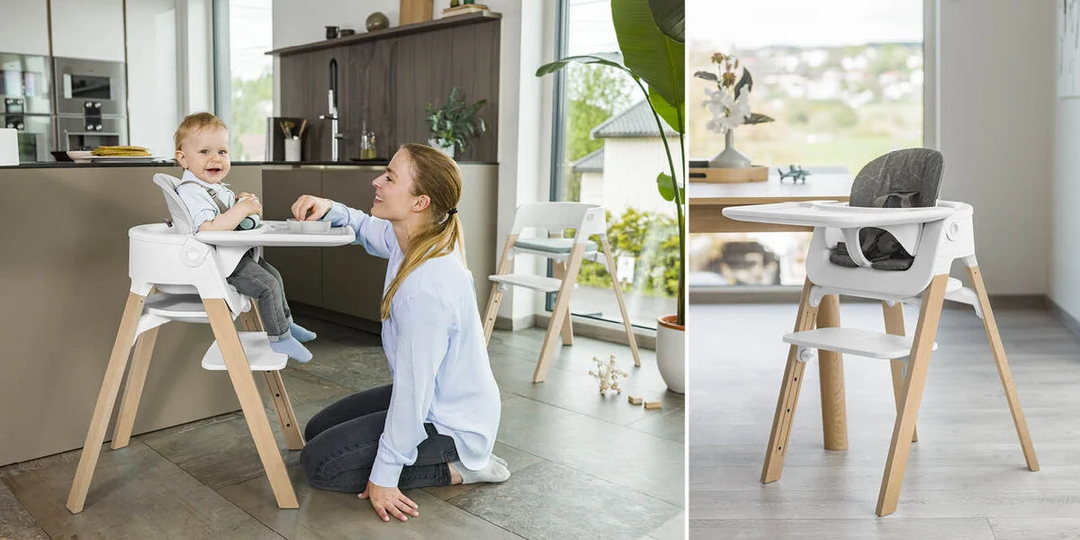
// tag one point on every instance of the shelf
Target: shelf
(395, 31)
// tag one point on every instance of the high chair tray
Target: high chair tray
(277, 233)
(835, 214)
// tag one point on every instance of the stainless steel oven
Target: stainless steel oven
(25, 86)
(91, 87)
(79, 133)
(34, 133)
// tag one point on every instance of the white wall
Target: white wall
(527, 41)
(996, 117)
(152, 75)
(25, 27)
(91, 29)
(630, 169)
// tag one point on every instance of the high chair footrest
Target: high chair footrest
(257, 349)
(529, 281)
(853, 341)
(177, 306)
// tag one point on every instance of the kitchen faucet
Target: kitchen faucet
(335, 136)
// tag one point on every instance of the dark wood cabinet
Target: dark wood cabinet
(297, 265)
(386, 79)
(352, 278)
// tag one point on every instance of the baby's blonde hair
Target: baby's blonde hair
(196, 122)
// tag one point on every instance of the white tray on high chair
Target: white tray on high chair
(277, 233)
(835, 214)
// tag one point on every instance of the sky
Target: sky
(749, 24)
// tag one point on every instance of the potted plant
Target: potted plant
(650, 34)
(453, 124)
(730, 107)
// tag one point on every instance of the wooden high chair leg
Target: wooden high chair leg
(894, 324)
(129, 404)
(561, 311)
(831, 380)
(612, 271)
(789, 394)
(558, 271)
(506, 263)
(99, 422)
(1003, 369)
(251, 321)
(244, 384)
(904, 428)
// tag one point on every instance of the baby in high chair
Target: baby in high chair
(202, 149)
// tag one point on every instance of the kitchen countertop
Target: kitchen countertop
(73, 165)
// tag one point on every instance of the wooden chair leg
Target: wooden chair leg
(558, 271)
(561, 311)
(789, 394)
(251, 321)
(612, 271)
(129, 404)
(506, 263)
(294, 439)
(904, 428)
(831, 379)
(99, 422)
(244, 384)
(894, 324)
(1003, 369)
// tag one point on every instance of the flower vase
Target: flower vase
(448, 150)
(730, 158)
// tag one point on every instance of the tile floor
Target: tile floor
(583, 466)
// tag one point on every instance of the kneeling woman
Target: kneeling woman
(436, 423)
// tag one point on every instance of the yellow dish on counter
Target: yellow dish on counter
(120, 151)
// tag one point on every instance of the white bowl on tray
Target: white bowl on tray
(308, 227)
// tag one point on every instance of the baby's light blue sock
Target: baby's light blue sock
(303, 335)
(288, 345)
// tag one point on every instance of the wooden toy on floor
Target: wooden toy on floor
(634, 400)
(653, 405)
(608, 375)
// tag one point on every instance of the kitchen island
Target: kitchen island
(64, 281)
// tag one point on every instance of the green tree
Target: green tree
(252, 101)
(593, 96)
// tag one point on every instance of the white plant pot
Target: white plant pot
(671, 353)
(448, 150)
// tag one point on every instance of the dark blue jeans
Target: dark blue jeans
(263, 283)
(342, 441)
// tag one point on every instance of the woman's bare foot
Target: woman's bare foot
(455, 477)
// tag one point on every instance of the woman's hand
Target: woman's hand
(311, 208)
(392, 500)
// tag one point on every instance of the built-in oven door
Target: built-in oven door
(34, 135)
(24, 84)
(89, 87)
(75, 133)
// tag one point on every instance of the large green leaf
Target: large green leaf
(666, 111)
(666, 186)
(552, 67)
(647, 52)
(669, 16)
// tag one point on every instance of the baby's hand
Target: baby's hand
(250, 206)
(246, 195)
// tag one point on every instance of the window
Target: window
(244, 78)
(844, 84)
(608, 151)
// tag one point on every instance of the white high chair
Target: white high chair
(179, 275)
(936, 236)
(567, 253)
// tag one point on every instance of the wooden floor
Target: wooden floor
(582, 466)
(966, 477)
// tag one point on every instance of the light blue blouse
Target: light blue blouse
(434, 342)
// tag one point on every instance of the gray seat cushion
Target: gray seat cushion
(552, 245)
(909, 178)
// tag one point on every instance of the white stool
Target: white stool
(177, 275)
(936, 236)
